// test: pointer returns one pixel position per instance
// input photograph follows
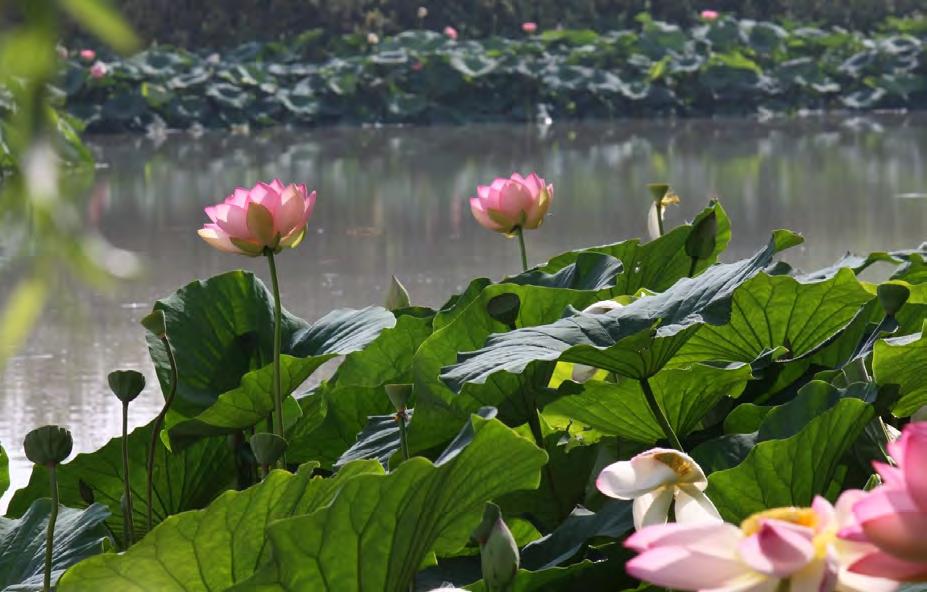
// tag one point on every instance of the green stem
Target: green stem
(278, 396)
(156, 428)
(660, 218)
(52, 518)
(521, 243)
(659, 415)
(403, 438)
(692, 266)
(127, 510)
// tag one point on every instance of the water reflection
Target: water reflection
(393, 200)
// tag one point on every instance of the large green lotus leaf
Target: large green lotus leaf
(635, 341)
(4, 471)
(585, 575)
(612, 520)
(222, 328)
(78, 534)
(336, 412)
(380, 528)
(769, 312)
(800, 446)
(903, 361)
(214, 548)
(619, 409)
(184, 481)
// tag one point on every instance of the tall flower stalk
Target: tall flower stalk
(278, 313)
(126, 385)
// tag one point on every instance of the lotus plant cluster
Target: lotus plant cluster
(622, 416)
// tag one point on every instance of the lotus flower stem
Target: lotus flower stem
(521, 243)
(278, 396)
(660, 416)
(127, 509)
(52, 518)
(158, 422)
(401, 418)
(692, 266)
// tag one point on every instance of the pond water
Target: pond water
(394, 200)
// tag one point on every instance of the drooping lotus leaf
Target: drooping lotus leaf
(78, 534)
(217, 547)
(635, 341)
(903, 361)
(377, 532)
(380, 439)
(184, 481)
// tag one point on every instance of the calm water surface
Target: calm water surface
(393, 200)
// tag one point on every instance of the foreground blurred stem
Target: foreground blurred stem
(278, 397)
(159, 421)
(52, 518)
(127, 509)
(521, 243)
(659, 415)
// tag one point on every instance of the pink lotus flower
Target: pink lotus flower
(529, 27)
(450, 32)
(794, 546)
(656, 479)
(267, 216)
(99, 70)
(710, 15)
(88, 55)
(893, 517)
(507, 205)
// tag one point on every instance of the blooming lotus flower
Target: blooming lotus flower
(893, 517)
(99, 70)
(422, 12)
(529, 27)
(507, 205)
(267, 216)
(655, 479)
(88, 55)
(451, 33)
(710, 15)
(781, 549)
(581, 372)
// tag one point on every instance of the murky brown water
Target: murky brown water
(393, 200)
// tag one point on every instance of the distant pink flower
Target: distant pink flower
(267, 216)
(509, 204)
(451, 33)
(529, 27)
(417, 66)
(88, 55)
(99, 70)
(893, 517)
(794, 545)
(710, 15)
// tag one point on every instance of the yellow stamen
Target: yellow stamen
(680, 466)
(800, 516)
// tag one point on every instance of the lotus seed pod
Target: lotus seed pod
(398, 296)
(504, 308)
(267, 448)
(155, 323)
(48, 445)
(657, 191)
(702, 239)
(398, 395)
(892, 297)
(126, 384)
(498, 551)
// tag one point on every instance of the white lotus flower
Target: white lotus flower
(581, 372)
(655, 479)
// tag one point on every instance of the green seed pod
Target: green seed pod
(498, 550)
(267, 448)
(48, 445)
(892, 297)
(126, 384)
(155, 323)
(658, 190)
(504, 308)
(397, 297)
(398, 395)
(702, 239)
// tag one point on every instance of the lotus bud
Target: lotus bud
(126, 384)
(702, 238)
(892, 297)
(399, 395)
(48, 445)
(267, 448)
(504, 308)
(422, 12)
(498, 550)
(155, 323)
(397, 297)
